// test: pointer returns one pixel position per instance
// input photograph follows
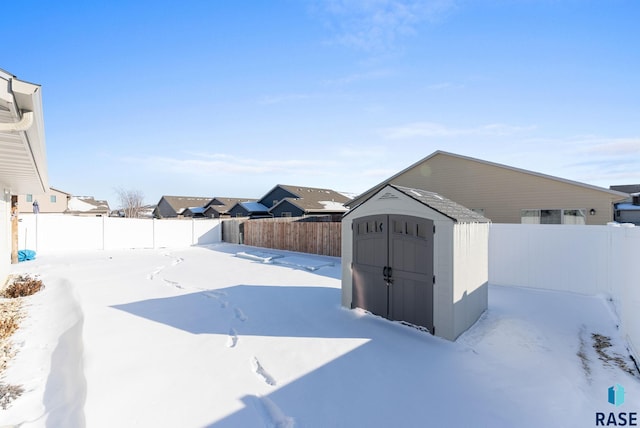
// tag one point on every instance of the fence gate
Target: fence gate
(393, 267)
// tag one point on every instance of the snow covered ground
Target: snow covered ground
(234, 336)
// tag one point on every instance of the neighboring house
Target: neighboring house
(53, 201)
(249, 209)
(628, 211)
(298, 201)
(193, 212)
(505, 194)
(220, 207)
(23, 159)
(174, 206)
(87, 206)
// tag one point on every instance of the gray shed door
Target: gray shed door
(393, 267)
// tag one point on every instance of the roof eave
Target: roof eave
(22, 97)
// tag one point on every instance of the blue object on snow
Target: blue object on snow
(26, 255)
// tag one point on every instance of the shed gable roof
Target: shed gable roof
(444, 206)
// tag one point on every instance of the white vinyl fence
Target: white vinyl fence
(580, 259)
(53, 232)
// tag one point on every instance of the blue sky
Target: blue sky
(228, 98)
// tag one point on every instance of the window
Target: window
(550, 217)
(362, 228)
(29, 198)
(286, 214)
(370, 227)
(574, 217)
(422, 230)
(53, 199)
(553, 216)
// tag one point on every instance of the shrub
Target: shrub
(22, 286)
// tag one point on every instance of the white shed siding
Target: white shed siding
(470, 274)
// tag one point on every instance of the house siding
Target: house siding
(164, 209)
(502, 192)
(238, 211)
(277, 193)
(288, 207)
(44, 202)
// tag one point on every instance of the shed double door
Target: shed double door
(393, 267)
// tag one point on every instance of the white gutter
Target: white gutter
(22, 125)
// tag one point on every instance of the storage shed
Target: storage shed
(412, 255)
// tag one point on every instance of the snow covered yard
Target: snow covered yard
(234, 336)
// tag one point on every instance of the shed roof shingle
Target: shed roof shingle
(445, 206)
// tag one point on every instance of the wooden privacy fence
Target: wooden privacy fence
(233, 230)
(317, 237)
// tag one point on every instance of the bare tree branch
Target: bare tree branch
(131, 202)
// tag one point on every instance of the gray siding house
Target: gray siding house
(298, 201)
(249, 209)
(628, 211)
(174, 206)
(221, 206)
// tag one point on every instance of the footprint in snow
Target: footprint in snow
(155, 273)
(261, 372)
(272, 414)
(239, 314)
(173, 284)
(217, 296)
(232, 341)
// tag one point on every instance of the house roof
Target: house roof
(626, 188)
(86, 205)
(59, 191)
(310, 206)
(444, 206)
(314, 199)
(625, 206)
(23, 162)
(180, 203)
(254, 207)
(195, 210)
(616, 195)
(223, 204)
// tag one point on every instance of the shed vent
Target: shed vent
(388, 195)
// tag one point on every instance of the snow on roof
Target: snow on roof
(333, 206)
(77, 204)
(627, 207)
(254, 207)
(196, 210)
